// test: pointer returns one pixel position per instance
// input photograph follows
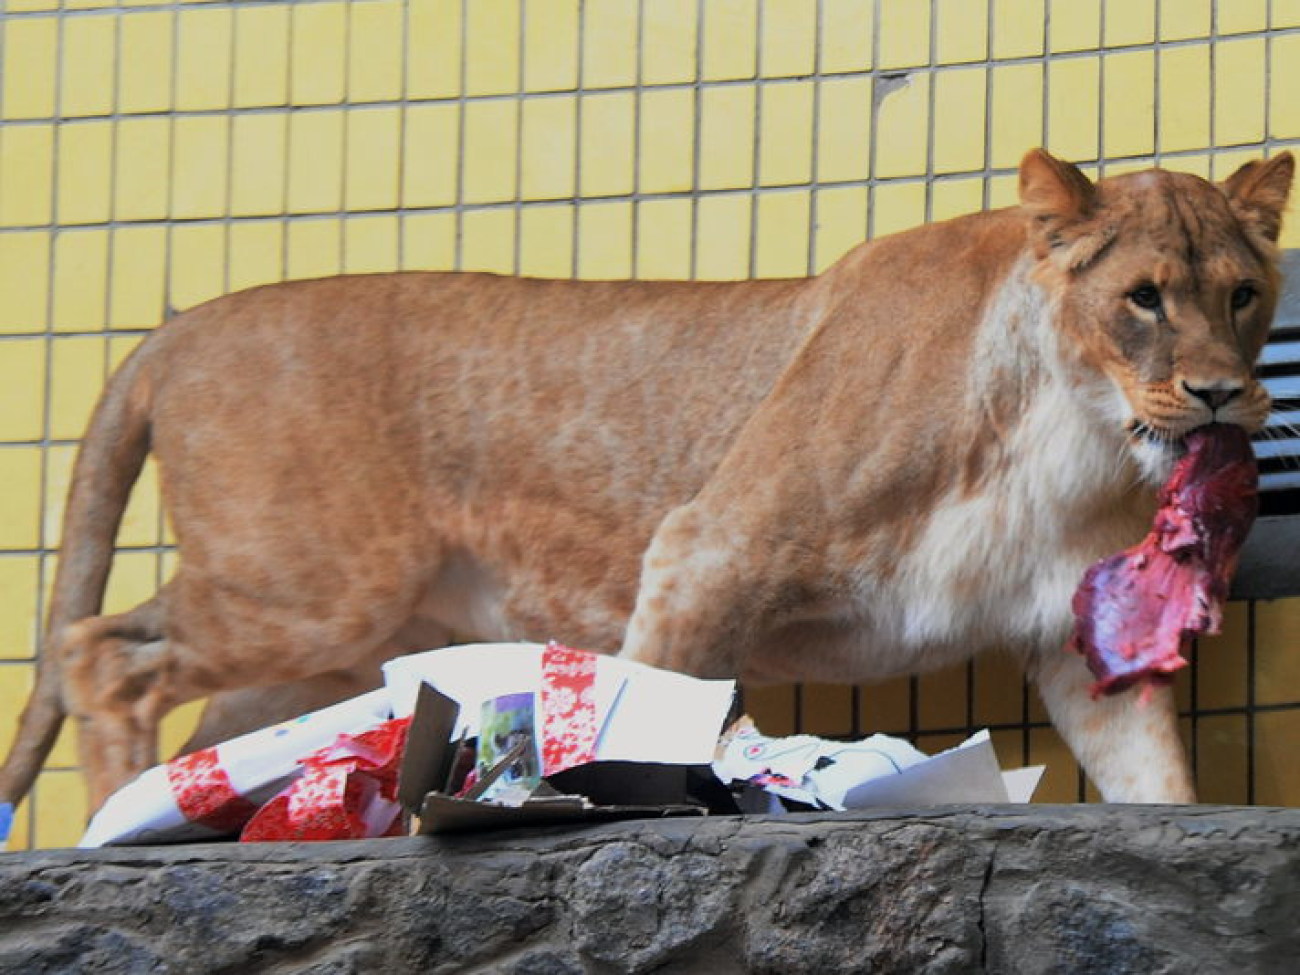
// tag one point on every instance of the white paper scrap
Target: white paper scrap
(1021, 783)
(877, 771)
(967, 773)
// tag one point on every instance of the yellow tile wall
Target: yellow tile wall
(154, 156)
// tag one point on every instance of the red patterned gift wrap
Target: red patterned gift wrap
(347, 791)
(569, 728)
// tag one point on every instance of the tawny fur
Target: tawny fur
(902, 462)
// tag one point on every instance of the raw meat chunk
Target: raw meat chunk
(1136, 610)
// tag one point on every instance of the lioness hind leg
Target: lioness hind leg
(115, 683)
(1129, 747)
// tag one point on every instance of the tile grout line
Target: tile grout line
(403, 135)
(1268, 74)
(638, 120)
(580, 106)
(1157, 80)
(927, 196)
(697, 132)
(516, 257)
(756, 154)
(346, 121)
(285, 220)
(1045, 118)
(1101, 91)
(814, 168)
(458, 207)
(1213, 147)
(873, 126)
(228, 247)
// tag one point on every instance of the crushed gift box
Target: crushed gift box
(491, 735)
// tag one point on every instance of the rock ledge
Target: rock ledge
(1000, 889)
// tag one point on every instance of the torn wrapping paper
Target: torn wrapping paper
(571, 720)
(642, 714)
(215, 791)
(877, 771)
(347, 791)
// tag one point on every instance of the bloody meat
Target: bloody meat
(1136, 610)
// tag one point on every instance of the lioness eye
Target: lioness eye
(1145, 296)
(1242, 295)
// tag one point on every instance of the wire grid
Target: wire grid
(928, 179)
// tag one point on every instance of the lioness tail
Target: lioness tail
(108, 463)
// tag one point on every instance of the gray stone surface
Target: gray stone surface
(1000, 889)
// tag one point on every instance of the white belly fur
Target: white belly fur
(997, 568)
(1002, 566)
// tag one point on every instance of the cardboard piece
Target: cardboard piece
(426, 785)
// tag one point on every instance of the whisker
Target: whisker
(1278, 443)
(1275, 436)
(1118, 468)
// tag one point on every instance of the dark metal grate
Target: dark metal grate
(1278, 446)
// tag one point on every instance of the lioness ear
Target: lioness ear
(1054, 189)
(1258, 192)
(1061, 201)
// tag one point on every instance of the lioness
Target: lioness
(884, 469)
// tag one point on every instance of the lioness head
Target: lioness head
(1166, 284)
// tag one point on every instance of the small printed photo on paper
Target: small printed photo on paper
(507, 723)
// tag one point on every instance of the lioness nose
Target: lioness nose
(1214, 395)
